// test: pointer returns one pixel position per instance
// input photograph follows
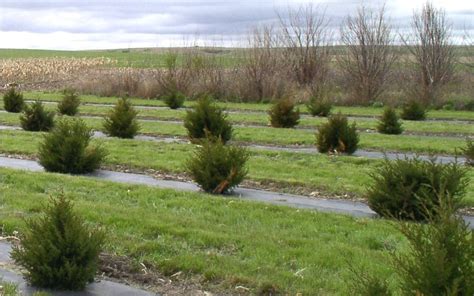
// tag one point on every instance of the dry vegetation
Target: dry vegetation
(290, 59)
(46, 70)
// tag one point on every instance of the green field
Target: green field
(136, 58)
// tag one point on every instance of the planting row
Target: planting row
(331, 175)
(255, 118)
(246, 107)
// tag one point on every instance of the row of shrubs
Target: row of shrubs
(282, 115)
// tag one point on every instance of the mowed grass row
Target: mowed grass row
(261, 107)
(228, 242)
(329, 174)
(254, 118)
(273, 136)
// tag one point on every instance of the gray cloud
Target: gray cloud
(166, 19)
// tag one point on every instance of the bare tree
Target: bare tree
(433, 53)
(177, 75)
(369, 55)
(305, 40)
(261, 63)
(468, 42)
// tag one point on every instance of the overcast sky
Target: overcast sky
(100, 24)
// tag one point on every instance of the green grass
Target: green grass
(332, 175)
(262, 107)
(8, 289)
(273, 136)
(226, 241)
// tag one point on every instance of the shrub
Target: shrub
(283, 114)
(13, 101)
(390, 123)
(66, 149)
(59, 250)
(412, 110)
(70, 102)
(35, 118)
(337, 136)
(207, 119)
(121, 121)
(440, 255)
(367, 284)
(318, 107)
(409, 188)
(218, 168)
(174, 99)
(468, 152)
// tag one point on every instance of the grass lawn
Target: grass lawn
(333, 175)
(274, 136)
(263, 107)
(227, 242)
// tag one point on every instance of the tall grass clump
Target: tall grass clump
(337, 136)
(67, 149)
(413, 110)
(218, 168)
(121, 121)
(409, 188)
(389, 122)
(34, 118)
(59, 250)
(13, 101)
(207, 119)
(439, 259)
(69, 105)
(283, 114)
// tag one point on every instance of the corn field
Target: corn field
(44, 70)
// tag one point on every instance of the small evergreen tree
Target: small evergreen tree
(412, 110)
(13, 101)
(67, 149)
(121, 121)
(34, 118)
(390, 123)
(468, 152)
(409, 188)
(70, 102)
(337, 136)
(174, 99)
(218, 168)
(440, 256)
(319, 107)
(59, 250)
(207, 119)
(283, 114)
